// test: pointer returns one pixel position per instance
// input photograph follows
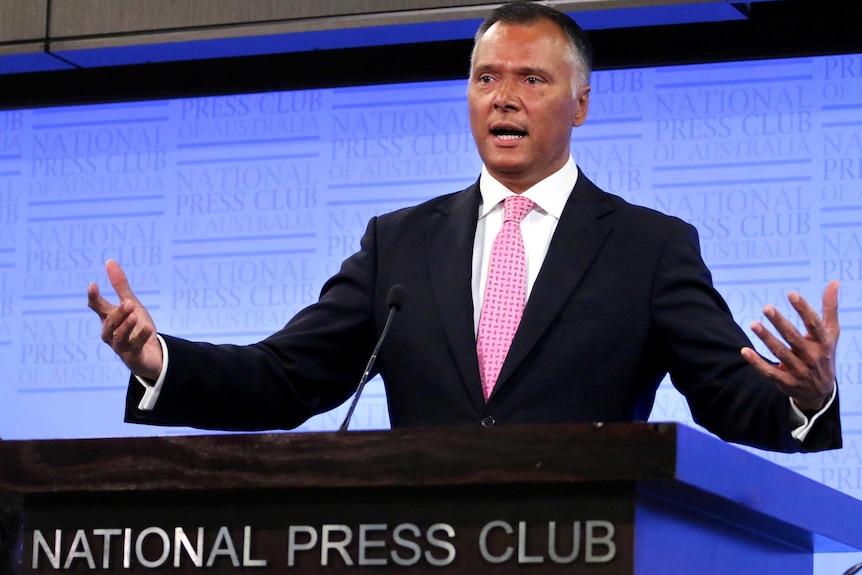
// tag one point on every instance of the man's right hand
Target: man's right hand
(127, 327)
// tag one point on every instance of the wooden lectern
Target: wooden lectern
(649, 499)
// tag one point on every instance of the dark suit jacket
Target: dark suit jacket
(623, 297)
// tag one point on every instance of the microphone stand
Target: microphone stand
(396, 296)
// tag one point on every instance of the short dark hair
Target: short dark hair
(526, 13)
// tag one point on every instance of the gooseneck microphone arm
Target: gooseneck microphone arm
(394, 302)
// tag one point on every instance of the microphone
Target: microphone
(394, 303)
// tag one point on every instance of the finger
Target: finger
(127, 328)
(119, 281)
(120, 335)
(135, 330)
(764, 367)
(807, 314)
(786, 330)
(786, 382)
(830, 307)
(96, 302)
(140, 336)
(788, 358)
(114, 322)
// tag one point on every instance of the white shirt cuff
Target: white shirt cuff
(804, 423)
(152, 389)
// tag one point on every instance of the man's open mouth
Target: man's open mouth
(508, 133)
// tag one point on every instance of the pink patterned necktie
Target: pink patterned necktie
(505, 293)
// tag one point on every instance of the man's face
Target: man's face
(522, 108)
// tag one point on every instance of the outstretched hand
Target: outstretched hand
(127, 327)
(806, 368)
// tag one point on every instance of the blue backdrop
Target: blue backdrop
(229, 213)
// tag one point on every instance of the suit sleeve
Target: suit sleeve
(309, 366)
(726, 395)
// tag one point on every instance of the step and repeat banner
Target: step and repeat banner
(229, 213)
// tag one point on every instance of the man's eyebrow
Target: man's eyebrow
(523, 71)
(532, 71)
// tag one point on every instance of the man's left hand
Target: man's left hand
(806, 368)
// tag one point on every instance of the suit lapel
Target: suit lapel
(450, 235)
(577, 240)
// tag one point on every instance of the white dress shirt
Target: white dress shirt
(538, 226)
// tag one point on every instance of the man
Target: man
(616, 297)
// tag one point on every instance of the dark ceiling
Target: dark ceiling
(772, 30)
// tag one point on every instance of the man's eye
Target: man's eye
(485, 79)
(533, 80)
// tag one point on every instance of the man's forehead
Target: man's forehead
(538, 34)
(503, 26)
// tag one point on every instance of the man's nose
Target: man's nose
(506, 96)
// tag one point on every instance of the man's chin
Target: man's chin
(506, 162)
(505, 171)
(514, 177)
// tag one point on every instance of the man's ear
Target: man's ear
(583, 100)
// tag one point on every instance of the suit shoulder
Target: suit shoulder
(429, 208)
(647, 215)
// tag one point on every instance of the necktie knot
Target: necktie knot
(515, 208)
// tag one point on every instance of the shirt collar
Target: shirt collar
(550, 194)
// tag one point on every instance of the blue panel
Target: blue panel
(272, 44)
(31, 62)
(380, 36)
(719, 472)
(673, 540)
(658, 15)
